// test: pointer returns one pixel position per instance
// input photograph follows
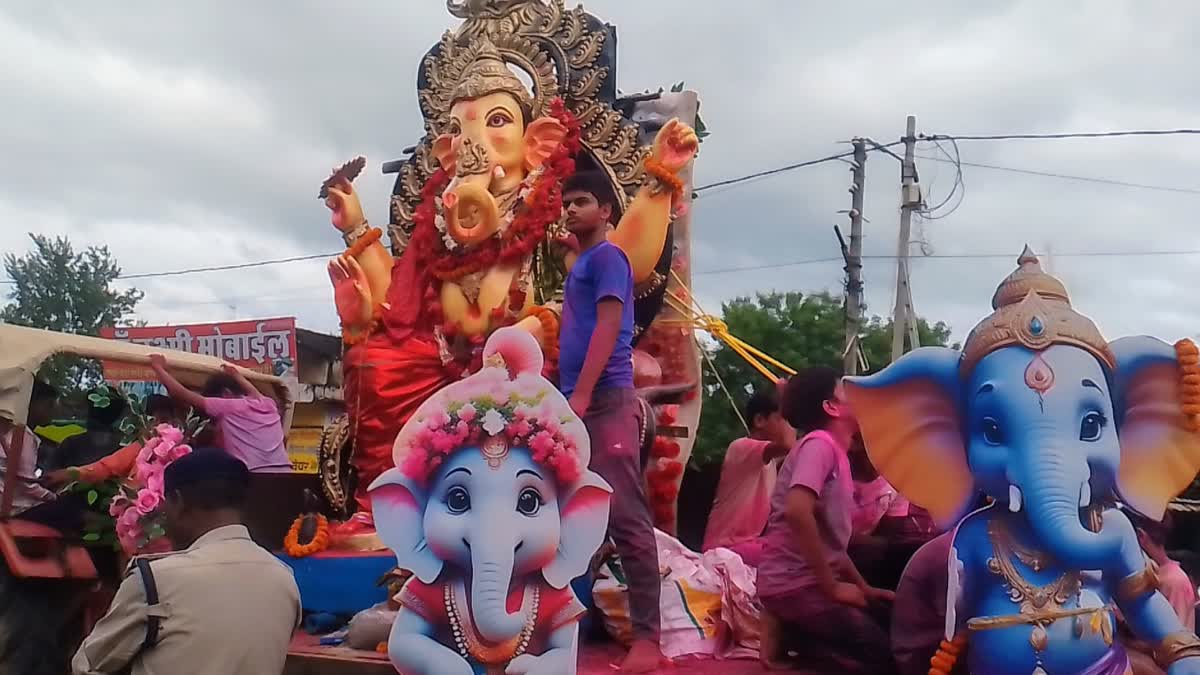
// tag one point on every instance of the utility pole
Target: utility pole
(853, 257)
(910, 200)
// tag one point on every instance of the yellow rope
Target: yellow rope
(698, 318)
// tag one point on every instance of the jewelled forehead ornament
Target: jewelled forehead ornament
(495, 448)
(1033, 310)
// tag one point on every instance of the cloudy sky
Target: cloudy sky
(193, 134)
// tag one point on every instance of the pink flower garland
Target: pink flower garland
(138, 513)
(525, 422)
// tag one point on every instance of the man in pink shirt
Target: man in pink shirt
(248, 422)
(748, 474)
(806, 579)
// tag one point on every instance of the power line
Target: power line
(950, 256)
(1050, 174)
(1082, 134)
(782, 169)
(214, 268)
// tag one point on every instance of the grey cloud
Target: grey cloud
(211, 124)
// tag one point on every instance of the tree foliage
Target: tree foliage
(798, 330)
(58, 288)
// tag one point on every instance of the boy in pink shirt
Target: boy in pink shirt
(248, 422)
(748, 474)
(806, 579)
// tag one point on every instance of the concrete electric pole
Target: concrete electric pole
(910, 200)
(853, 257)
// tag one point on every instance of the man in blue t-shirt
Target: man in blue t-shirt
(596, 375)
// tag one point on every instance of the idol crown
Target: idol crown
(489, 74)
(1033, 310)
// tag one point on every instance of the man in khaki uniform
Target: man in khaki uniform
(225, 605)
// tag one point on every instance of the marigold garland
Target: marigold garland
(373, 235)
(947, 655)
(320, 540)
(668, 178)
(550, 324)
(1188, 356)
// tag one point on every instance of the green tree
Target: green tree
(798, 330)
(58, 288)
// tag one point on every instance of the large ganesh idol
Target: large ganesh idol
(1056, 425)
(475, 217)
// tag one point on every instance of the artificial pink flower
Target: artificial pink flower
(169, 433)
(154, 483)
(147, 450)
(467, 413)
(148, 469)
(129, 517)
(118, 505)
(179, 451)
(164, 449)
(147, 501)
(542, 444)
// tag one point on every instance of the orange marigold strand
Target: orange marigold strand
(373, 235)
(1188, 356)
(947, 655)
(656, 169)
(320, 540)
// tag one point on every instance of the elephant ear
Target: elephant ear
(584, 525)
(399, 507)
(443, 151)
(542, 138)
(909, 414)
(1159, 455)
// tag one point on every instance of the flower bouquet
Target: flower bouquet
(137, 510)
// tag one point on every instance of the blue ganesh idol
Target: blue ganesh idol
(492, 507)
(1056, 426)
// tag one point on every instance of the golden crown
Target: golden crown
(1033, 310)
(489, 74)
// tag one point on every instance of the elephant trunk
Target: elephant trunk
(1056, 494)
(492, 560)
(472, 214)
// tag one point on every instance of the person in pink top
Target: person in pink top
(748, 474)
(248, 423)
(1173, 582)
(806, 580)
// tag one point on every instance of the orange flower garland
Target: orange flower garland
(1188, 356)
(549, 321)
(665, 176)
(947, 655)
(320, 540)
(373, 235)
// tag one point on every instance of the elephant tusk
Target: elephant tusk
(498, 172)
(1085, 494)
(1014, 498)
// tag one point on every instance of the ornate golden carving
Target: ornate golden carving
(1033, 310)
(488, 74)
(333, 452)
(562, 52)
(472, 159)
